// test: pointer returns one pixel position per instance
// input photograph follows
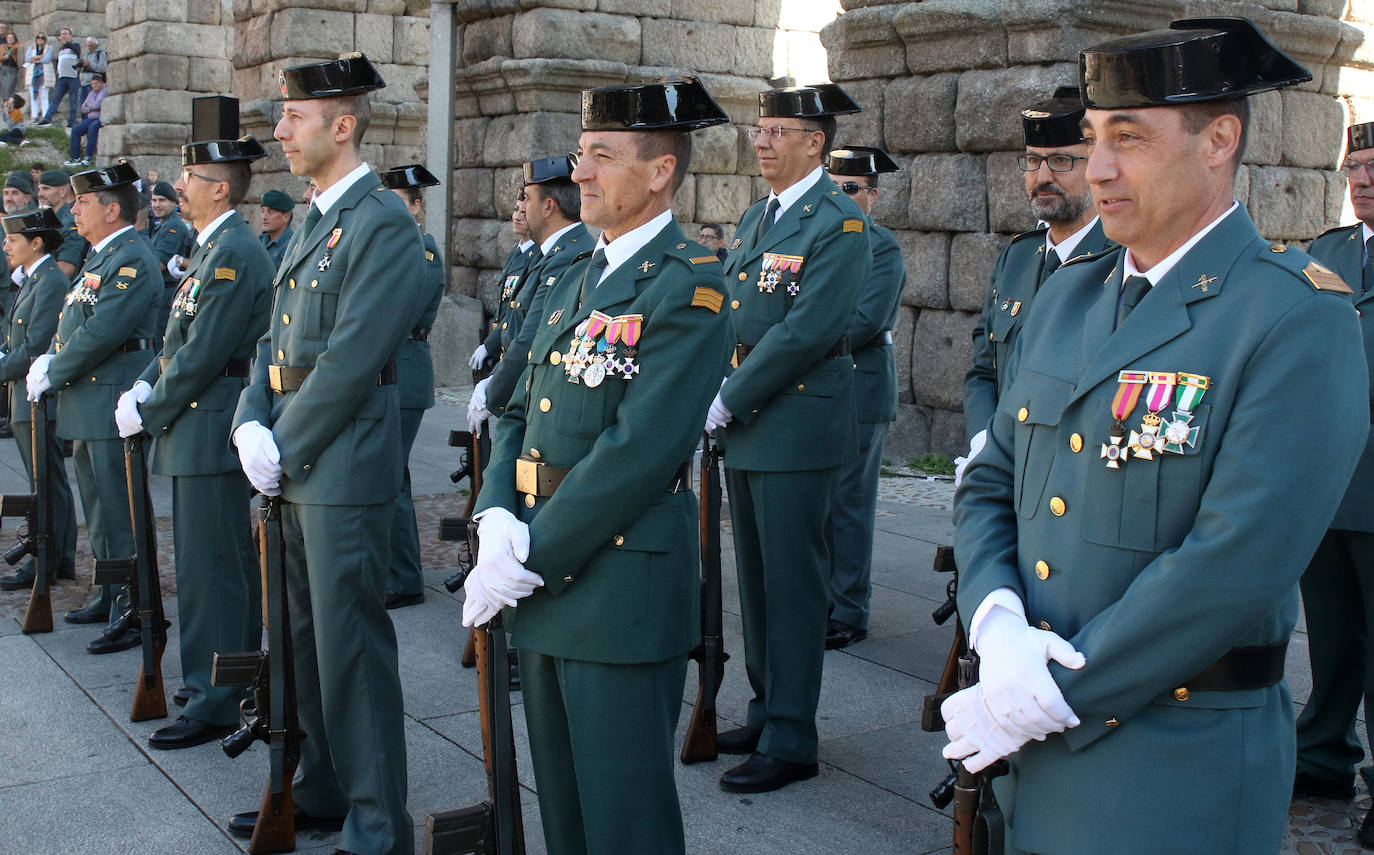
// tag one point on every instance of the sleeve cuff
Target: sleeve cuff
(1004, 598)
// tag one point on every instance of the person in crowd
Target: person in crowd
(89, 126)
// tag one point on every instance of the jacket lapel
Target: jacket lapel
(203, 249)
(306, 244)
(622, 285)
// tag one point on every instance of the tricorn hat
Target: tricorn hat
(669, 104)
(1195, 60)
(106, 178)
(350, 74)
(1054, 122)
(807, 102)
(548, 169)
(34, 222)
(860, 160)
(245, 150)
(413, 175)
(1359, 137)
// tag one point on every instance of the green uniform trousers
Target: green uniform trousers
(1339, 638)
(406, 575)
(104, 487)
(849, 534)
(348, 686)
(63, 510)
(780, 557)
(601, 738)
(219, 586)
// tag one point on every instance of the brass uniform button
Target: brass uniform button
(21, 320)
(291, 283)
(743, 276)
(503, 325)
(1045, 625)
(193, 405)
(306, 467)
(1057, 506)
(568, 579)
(734, 304)
(618, 540)
(529, 354)
(281, 354)
(534, 452)
(1181, 693)
(314, 283)
(529, 500)
(1076, 443)
(285, 318)
(1022, 414)
(1042, 570)
(1112, 722)
(1278, 247)
(801, 387)
(545, 405)
(555, 358)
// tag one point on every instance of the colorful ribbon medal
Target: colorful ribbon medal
(1129, 386)
(1147, 441)
(1188, 394)
(630, 327)
(328, 258)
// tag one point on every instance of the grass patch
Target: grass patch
(934, 464)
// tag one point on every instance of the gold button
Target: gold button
(291, 283)
(1181, 693)
(21, 320)
(568, 579)
(1022, 414)
(513, 305)
(545, 405)
(306, 467)
(555, 358)
(1112, 722)
(743, 276)
(534, 452)
(314, 282)
(801, 387)
(1057, 506)
(503, 325)
(618, 540)
(1278, 247)
(92, 379)
(1042, 570)
(1045, 625)
(529, 354)
(989, 336)
(285, 318)
(734, 304)
(529, 501)
(1076, 443)
(281, 354)
(193, 405)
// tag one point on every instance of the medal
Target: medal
(793, 288)
(1129, 386)
(1181, 432)
(593, 374)
(774, 264)
(1144, 443)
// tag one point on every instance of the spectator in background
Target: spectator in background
(277, 210)
(11, 56)
(38, 76)
(14, 121)
(67, 85)
(36, 170)
(89, 126)
(712, 236)
(93, 63)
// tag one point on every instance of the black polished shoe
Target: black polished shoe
(1365, 833)
(181, 696)
(1307, 786)
(741, 740)
(839, 634)
(242, 824)
(90, 614)
(18, 581)
(187, 733)
(113, 642)
(400, 601)
(6, 432)
(764, 774)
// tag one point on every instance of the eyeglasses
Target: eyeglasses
(1351, 167)
(776, 132)
(1057, 162)
(708, 236)
(187, 175)
(852, 188)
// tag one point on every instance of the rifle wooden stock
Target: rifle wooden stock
(150, 700)
(699, 743)
(38, 615)
(449, 527)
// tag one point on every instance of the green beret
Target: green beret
(165, 190)
(54, 178)
(20, 179)
(278, 201)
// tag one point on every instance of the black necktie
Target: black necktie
(1367, 278)
(769, 214)
(311, 218)
(1051, 264)
(592, 275)
(1134, 288)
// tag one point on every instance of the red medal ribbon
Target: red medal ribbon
(1130, 385)
(1161, 386)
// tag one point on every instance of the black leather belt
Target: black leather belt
(1241, 668)
(287, 378)
(419, 334)
(840, 348)
(882, 339)
(233, 368)
(134, 345)
(535, 478)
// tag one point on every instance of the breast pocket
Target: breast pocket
(1003, 326)
(322, 296)
(1035, 403)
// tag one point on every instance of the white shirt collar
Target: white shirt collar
(789, 196)
(1366, 232)
(525, 245)
(552, 239)
(105, 241)
(1065, 249)
(624, 247)
(1161, 269)
(28, 271)
(326, 198)
(204, 234)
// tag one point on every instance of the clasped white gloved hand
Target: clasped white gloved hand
(479, 355)
(1013, 671)
(127, 417)
(499, 578)
(718, 415)
(175, 266)
(974, 736)
(259, 457)
(477, 406)
(37, 380)
(17, 277)
(961, 463)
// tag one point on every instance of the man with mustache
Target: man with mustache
(1054, 164)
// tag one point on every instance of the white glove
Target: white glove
(17, 276)
(974, 736)
(1014, 674)
(961, 463)
(478, 357)
(499, 578)
(477, 406)
(37, 379)
(259, 457)
(127, 417)
(175, 266)
(718, 415)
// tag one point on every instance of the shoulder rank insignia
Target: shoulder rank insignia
(854, 226)
(646, 267)
(226, 273)
(429, 256)
(127, 271)
(1324, 279)
(703, 259)
(708, 298)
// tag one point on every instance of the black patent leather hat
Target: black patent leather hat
(807, 102)
(413, 175)
(860, 160)
(670, 104)
(245, 150)
(350, 74)
(1054, 122)
(105, 178)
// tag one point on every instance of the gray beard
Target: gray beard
(1062, 209)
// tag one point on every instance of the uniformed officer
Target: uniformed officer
(519, 261)
(853, 504)
(277, 213)
(622, 371)
(55, 191)
(798, 263)
(405, 585)
(1338, 586)
(553, 210)
(105, 338)
(185, 400)
(18, 193)
(1055, 167)
(31, 241)
(1125, 502)
(320, 424)
(171, 239)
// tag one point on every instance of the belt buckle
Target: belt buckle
(527, 476)
(274, 378)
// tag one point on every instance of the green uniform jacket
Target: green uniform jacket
(32, 323)
(74, 247)
(529, 304)
(793, 408)
(172, 237)
(219, 313)
(413, 363)
(509, 316)
(113, 303)
(613, 546)
(1342, 251)
(339, 435)
(276, 249)
(1015, 280)
(875, 371)
(1155, 570)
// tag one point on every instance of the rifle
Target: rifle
(494, 826)
(700, 742)
(140, 573)
(270, 715)
(36, 537)
(456, 528)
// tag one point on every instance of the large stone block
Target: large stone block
(148, 11)
(455, 334)
(1264, 140)
(865, 127)
(310, 33)
(715, 150)
(972, 257)
(685, 202)
(209, 75)
(557, 84)
(941, 352)
(142, 138)
(506, 187)
(487, 39)
(705, 47)
(988, 114)
(721, 198)
(410, 40)
(1008, 208)
(909, 435)
(953, 194)
(901, 351)
(714, 11)
(388, 8)
(463, 280)
(919, 113)
(564, 34)
(947, 432)
(945, 35)
(1338, 207)
(375, 36)
(863, 43)
(174, 39)
(754, 55)
(156, 105)
(1287, 203)
(894, 196)
(489, 288)
(471, 194)
(926, 255)
(469, 141)
(252, 41)
(512, 140)
(206, 12)
(1242, 187)
(150, 71)
(1313, 130)
(476, 243)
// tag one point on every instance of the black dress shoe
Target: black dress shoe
(839, 634)
(242, 824)
(187, 733)
(181, 696)
(6, 432)
(1365, 833)
(87, 615)
(1307, 786)
(400, 601)
(17, 581)
(113, 642)
(741, 740)
(763, 774)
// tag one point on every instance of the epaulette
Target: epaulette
(1354, 230)
(1039, 232)
(1090, 256)
(1306, 268)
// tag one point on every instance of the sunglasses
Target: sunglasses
(852, 188)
